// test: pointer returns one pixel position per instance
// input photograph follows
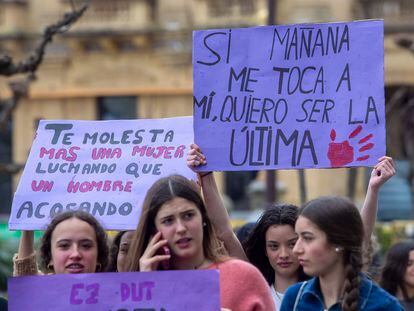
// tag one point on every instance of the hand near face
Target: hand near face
(150, 260)
(383, 171)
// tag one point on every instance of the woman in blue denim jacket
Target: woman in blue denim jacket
(329, 247)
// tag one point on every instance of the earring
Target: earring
(204, 224)
(98, 267)
(338, 249)
(49, 267)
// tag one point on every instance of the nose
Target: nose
(284, 254)
(75, 253)
(297, 249)
(180, 226)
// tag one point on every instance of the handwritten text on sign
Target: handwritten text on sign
(102, 167)
(149, 291)
(290, 96)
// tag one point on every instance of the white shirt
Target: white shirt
(277, 297)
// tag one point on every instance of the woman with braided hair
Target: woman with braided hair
(329, 248)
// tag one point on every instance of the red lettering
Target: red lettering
(43, 186)
(179, 153)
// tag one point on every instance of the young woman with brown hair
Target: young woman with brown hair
(74, 242)
(329, 248)
(174, 215)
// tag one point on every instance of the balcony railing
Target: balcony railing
(397, 14)
(107, 15)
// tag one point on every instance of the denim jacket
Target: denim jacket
(371, 297)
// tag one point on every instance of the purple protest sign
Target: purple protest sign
(151, 291)
(102, 167)
(294, 96)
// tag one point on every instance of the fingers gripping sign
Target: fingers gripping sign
(195, 157)
(383, 171)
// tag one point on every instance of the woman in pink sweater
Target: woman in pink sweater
(174, 232)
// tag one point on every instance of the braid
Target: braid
(351, 286)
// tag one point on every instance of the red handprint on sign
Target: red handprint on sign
(341, 154)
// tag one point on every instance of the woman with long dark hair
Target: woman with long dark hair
(398, 273)
(329, 248)
(269, 247)
(174, 217)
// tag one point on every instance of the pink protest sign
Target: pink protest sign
(135, 291)
(102, 167)
(293, 96)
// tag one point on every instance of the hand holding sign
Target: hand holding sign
(195, 157)
(382, 172)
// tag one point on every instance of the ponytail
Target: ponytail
(353, 267)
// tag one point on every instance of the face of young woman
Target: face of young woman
(409, 272)
(180, 222)
(123, 250)
(317, 256)
(74, 247)
(280, 240)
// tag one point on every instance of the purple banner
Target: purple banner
(134, 291)
(101, 167)
(293, 96)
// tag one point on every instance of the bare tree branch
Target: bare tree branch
(20, 89)
(30, 65)
(10, 168)
(406, 43)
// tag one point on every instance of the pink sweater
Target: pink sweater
(242, 287)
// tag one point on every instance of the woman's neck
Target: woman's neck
(409, 290)
(283, 282)
(189, 263)
(331, 285)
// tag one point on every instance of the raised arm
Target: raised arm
(214, 204)
(26, 247)
(24, 263)
(383, 171)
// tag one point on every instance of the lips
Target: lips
(302, 261)
(284, 264)
(75, 268)
(183, 242)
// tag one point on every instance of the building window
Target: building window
(247, 7)
(117, 108)
(106, 10)
(393, 10)
(2, 15)
(236, 186)
(229, 7)
(5, 178)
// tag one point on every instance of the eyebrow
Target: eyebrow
(70, 240)
(63, 240)
(191, 209)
